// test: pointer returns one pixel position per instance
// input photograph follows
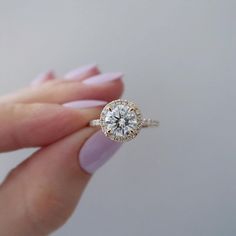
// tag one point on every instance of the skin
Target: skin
(40, 194)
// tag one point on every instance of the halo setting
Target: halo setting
(121, 120)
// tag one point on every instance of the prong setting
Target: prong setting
(121, 120)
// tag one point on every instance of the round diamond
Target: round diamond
(121, 120)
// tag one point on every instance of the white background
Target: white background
(179, 60)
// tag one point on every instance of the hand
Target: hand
(40, 194)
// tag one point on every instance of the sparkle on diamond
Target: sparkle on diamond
(121, 120)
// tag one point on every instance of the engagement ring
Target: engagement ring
(121, 120)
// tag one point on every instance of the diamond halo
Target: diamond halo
(121, 120)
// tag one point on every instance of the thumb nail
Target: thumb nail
(96, 151)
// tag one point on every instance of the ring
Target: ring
(122, 120)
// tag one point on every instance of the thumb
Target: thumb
(50, 183)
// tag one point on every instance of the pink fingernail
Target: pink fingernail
(77, 73)
(103, 78)
(96, 151)
(85, 104)
(43, 78)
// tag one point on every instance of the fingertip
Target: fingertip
(43, 77)
(83, 72)
(96, 151)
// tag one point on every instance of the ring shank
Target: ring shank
(150, 123)
(145, 123)
(94, 123)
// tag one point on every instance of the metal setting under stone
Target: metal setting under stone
(121, 120)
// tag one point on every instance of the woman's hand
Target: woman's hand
(40, 194)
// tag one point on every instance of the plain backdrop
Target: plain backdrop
(178, 57)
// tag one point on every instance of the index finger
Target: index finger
(36, 125)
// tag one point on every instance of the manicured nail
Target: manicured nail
(77, 73)
(96, 151)
(41, 78)
(85, 104)
(103, 78)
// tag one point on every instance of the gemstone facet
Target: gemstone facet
(121, 120)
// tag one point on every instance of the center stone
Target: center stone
(121, 120)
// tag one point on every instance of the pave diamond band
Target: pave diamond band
(150, 123)
(121, 120)
(145, 123)
(94, 123)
